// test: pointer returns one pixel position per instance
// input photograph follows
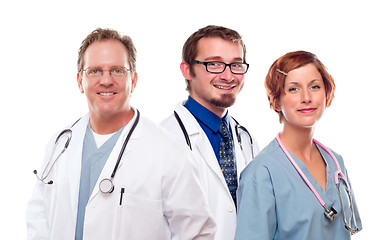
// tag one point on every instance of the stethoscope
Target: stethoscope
(106, 185)
(237, 128)
(329, 213)
(66, 132)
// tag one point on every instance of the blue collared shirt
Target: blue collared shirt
(208, 121)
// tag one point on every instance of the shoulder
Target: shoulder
(171, 121)
(158, 136)
(165, 148)
(75, 126)
(327, 154)
(269, 155)
(269, 159)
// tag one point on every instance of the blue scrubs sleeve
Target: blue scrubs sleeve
(256, 217)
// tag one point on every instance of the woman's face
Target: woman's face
(303, 100)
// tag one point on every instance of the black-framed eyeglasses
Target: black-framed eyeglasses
(97, 72)
(220, 67)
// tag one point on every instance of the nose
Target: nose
(306, 97)
(106, 79)
(227, 75)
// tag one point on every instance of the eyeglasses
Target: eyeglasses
(97, 72)
(220, 67)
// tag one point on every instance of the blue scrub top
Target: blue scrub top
(93, 161)
(274, 202)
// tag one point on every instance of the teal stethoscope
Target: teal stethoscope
(329, 213)
(237, 128)
(106, 185)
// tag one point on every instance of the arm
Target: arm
(37, 224)
(256, 216)
(185, 206)
(36, 216)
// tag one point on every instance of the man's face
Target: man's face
(107, 95)
(216, 91)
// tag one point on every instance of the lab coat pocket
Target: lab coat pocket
(138, 218)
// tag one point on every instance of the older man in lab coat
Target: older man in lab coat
(156, 193)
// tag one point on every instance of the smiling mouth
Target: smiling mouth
(106, 93)
(225, 87)
(307, 110)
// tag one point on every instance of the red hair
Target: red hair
(275, 79)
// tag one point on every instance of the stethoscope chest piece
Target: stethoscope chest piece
(330, 213)
(106, 185)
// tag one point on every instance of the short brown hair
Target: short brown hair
(189, 50)
(275, 79)
(100, 34)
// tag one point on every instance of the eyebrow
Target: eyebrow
(218, 58)
(296, 83)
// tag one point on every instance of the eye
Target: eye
(293, 89)
(315, 87)
(94, 71)
(237, 65)
(215, 64)
(118, 71)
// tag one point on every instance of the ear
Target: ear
(79, 80)
(186, 70)
(134, 81)
(277, 107)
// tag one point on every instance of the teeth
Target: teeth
(106, 94)
(225, 88)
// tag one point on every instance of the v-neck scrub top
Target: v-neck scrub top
(274, 202)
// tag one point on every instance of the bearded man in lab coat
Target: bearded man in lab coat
(156, 193)
(214, 67)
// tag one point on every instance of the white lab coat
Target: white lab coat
(212, 180)
(162, 198)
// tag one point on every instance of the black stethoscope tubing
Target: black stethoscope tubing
(125, 143)
(106, 185)
(65, 131)
(183, 129)
(237, 127)
(107, 180)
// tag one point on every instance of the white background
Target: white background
(39, 44)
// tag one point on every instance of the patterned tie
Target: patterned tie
(227, 159)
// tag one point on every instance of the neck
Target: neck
(218, 111)
(105, 124)
(299, 141)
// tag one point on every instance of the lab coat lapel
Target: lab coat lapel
(204, 147)
(199, 141)
(112, 160)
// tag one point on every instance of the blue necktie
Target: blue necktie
(227, 159)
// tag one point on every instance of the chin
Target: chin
(224, 102)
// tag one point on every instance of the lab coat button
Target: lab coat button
(230, 208)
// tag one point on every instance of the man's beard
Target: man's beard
(225, 101)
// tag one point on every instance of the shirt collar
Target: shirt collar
(204, 115)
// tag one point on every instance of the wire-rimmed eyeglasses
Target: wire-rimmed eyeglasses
(220, 67)
(115, 72)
